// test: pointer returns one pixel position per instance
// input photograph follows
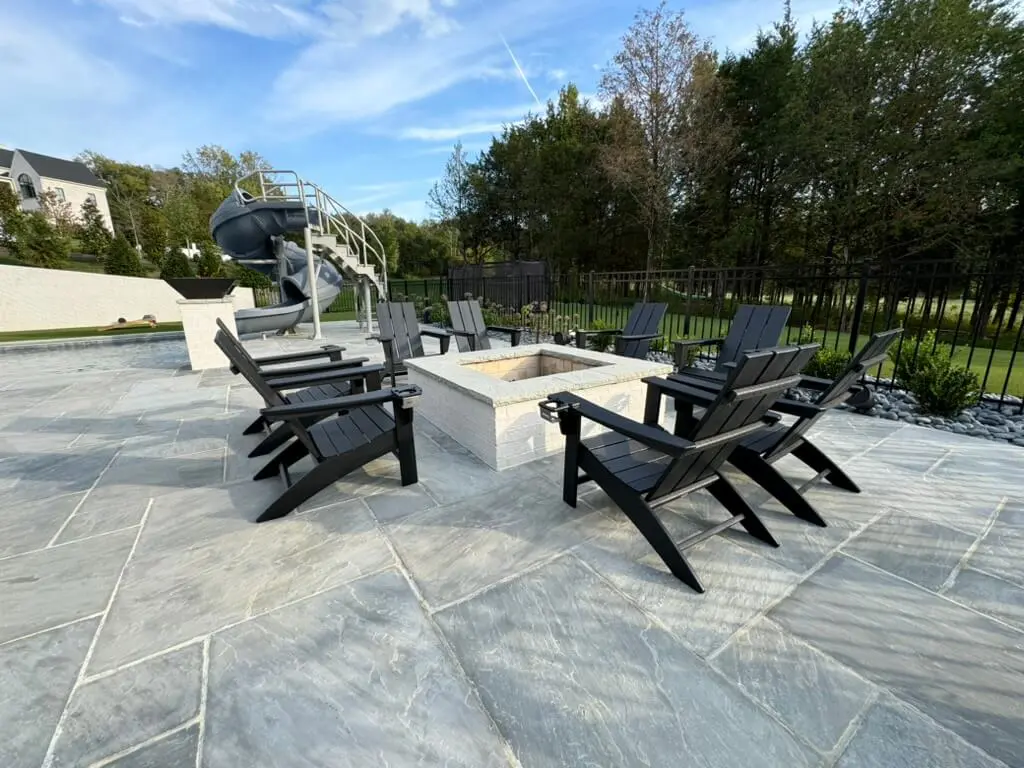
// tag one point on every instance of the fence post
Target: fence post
(590, 299)
(858, 310)
(689, 298)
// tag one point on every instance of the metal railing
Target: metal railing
(329, 216)
(975, 310)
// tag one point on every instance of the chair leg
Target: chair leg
(256, 426)
(318, 478)
(278, 437)
(813, 457)
(406, 442)
(291, 454)
(764, 474)
(730, 498)
(643, 517)
(570, 425)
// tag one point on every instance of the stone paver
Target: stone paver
(474, 619)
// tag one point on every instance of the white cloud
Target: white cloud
(558, 75)
(450, 133)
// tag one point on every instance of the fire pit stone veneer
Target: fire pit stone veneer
(487, 400)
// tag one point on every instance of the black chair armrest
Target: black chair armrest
(639, 337)
(797, 408)
(702, 398)
(653, 437)
(299, 370)
(506, 328)
(327, 407)
(437, 333)
(282, 383)
(332, 351)
(708, 384)
(685, 343)
(463, 334)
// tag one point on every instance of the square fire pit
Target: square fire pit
(487, 400)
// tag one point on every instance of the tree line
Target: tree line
(892, 133)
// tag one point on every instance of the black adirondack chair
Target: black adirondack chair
(335, 363)
(363, 431)
(633, 340)
(642, 467)
(753, 327)
(401, 335)
(310, 387)
(755, 455)
(470, 330)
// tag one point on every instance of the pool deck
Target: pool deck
(474, 619)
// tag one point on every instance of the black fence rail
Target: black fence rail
(977, 312)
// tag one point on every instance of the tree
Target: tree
(59, 212)
(40, 244)
(153, 231)
(210, 264)
(122, 259)
(649, 82)
(175, 264)
(93, 233)
(449, 197)
(12, 220)
(247, 278)
(128, 190)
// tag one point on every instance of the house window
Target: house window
(28, 190)
(60, 193)
(91, 198)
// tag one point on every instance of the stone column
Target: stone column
(199, 319)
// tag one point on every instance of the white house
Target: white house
(30, 174)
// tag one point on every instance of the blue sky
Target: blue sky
(365, 97)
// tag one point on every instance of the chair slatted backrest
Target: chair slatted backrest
(466, 316)
(644, 318)
(870, 355)
(247, 368)
(754, 327)
(756, 382)
(397, 320)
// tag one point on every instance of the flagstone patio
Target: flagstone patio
(474, 619)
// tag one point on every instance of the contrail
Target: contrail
(519, 69)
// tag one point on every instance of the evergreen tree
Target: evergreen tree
(40, 244)
(93, 232)
(176, 264)
(122, 259)
(209, 262)
(12, 220)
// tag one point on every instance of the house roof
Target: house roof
(6, 156)
(64, 170)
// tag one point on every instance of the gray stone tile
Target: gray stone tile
(990, 595)
(201, 564)
(153, 476)
(1001, 552)
(959, 668)
(919, 551)
(393, 505)
(908, 450)
(739, 583)
(894, 736)
(130, 706)
(174, 751)
(574, 675)
(34, 477)
(454, 550)
(352, 677)
(107, 508)
(814, 695)
(24, 527)
(990, 467)
(452, 476)
(52, 586)
(36, 676)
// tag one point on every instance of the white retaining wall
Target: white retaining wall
(36, 299)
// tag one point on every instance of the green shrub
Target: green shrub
(210, 264)
(122, 259)
(599, 342)
(175, 264)
(827, 363)
(40, 244)
(940, 386)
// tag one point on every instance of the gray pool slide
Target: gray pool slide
(250, 232)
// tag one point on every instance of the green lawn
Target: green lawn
(672, 326)
(76, 333)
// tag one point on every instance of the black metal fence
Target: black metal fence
(977, 312)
